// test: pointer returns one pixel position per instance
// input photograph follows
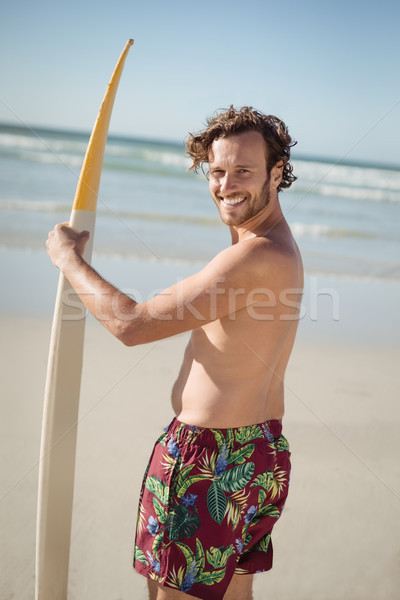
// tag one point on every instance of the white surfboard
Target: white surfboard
(61, 403)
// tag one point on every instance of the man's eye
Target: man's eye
(243, 171)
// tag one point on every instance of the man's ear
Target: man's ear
(277, 174)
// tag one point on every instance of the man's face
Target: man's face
(239, 183)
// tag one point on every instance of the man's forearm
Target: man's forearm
(113, 309)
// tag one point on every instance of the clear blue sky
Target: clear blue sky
(329, 69)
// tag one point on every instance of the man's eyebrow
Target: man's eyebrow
(244, 166)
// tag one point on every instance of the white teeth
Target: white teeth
(232, 201)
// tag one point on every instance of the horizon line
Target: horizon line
(152, 140)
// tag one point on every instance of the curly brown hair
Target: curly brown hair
(234, 121)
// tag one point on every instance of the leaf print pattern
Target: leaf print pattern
(235, 505)
(181, 523)
(263, 544)
(158, 487)
(209, 501)
(141, 518)
(140, 556)
(246, 434)
(159, 509)
(218, 557)
(242, 454)
(272, 481)
(216, 502)
(282, 444)
(195, 567)
(236, 478)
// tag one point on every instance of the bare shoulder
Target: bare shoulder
(279, 257)
(257, 260)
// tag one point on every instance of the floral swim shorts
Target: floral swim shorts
(209, 501)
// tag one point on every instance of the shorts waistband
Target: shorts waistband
(269, 430)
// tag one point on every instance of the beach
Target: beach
(339, 537)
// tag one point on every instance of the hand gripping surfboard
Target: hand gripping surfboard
(61, 402)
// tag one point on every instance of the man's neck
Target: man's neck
(258, 225)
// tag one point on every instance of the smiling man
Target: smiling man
(218, 477)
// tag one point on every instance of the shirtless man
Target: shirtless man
(218, 478)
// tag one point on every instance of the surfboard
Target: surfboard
(62, 389)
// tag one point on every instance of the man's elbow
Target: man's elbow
(128, 341)
(137, 329)
(127, 336)
(134, 333)
(128, 324)
(124, 332)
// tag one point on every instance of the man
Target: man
(218, 478)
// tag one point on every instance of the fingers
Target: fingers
(64, 237)
(66, 229)
(70, 231)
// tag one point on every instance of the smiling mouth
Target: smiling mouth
(232, 201)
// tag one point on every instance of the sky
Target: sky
(330, 70)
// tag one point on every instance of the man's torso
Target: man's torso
(233, 368)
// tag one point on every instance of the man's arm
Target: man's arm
(226, 285)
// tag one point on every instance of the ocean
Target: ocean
(345, 217)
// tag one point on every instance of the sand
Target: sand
(339, 537)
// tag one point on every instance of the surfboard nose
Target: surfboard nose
(88, 185)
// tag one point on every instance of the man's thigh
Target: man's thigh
(240, 588)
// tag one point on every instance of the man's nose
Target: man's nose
(227, 183)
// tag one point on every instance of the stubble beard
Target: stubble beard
(252, 210)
